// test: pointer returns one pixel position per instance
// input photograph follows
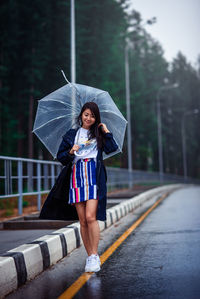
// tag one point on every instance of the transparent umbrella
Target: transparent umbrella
(57, 113)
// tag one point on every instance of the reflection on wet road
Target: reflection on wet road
(161, 257)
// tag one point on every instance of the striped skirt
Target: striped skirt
(83, 181)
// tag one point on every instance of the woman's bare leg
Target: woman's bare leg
(81, 211)
(92, 223)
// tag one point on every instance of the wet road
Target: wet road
(160, 258)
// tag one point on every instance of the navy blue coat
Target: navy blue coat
(56, 205)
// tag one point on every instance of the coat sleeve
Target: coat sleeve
(110, 144)
(63, 154)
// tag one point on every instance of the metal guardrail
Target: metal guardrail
(20, 177)
(122, 175)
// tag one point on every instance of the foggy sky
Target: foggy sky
(177, 27)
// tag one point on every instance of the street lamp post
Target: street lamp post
(73, 51)
(160, 148)
(128, 108)
(73, 58)
(184, 149)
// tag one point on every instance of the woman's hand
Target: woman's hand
(75, 148)
(104, 128)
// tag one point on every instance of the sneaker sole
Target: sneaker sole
(93, 270)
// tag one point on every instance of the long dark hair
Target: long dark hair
(94, 131)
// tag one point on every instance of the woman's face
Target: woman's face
(88, 119)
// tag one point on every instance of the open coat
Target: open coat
(56, 206)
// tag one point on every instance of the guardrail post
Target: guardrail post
(30, 176)
(52, 175)
(131, 178)
(39, 186)
(20, 187)
(46, 174)
(8, 174)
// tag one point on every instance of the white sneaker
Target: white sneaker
(92, 263)
(87, 264)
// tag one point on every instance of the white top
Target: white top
(88, 148)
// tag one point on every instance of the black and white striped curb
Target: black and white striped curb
(23, 263)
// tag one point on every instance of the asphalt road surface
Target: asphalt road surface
(159, 259)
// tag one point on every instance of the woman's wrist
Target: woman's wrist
(106, 131)
(104, 128)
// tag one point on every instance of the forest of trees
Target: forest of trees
(35, 46)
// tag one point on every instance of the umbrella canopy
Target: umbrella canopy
(57, 113)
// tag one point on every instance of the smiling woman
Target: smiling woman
(83, 184)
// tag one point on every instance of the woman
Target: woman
(81, 151)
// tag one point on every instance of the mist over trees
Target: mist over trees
(35, 46)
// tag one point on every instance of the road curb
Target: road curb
(23, 263)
